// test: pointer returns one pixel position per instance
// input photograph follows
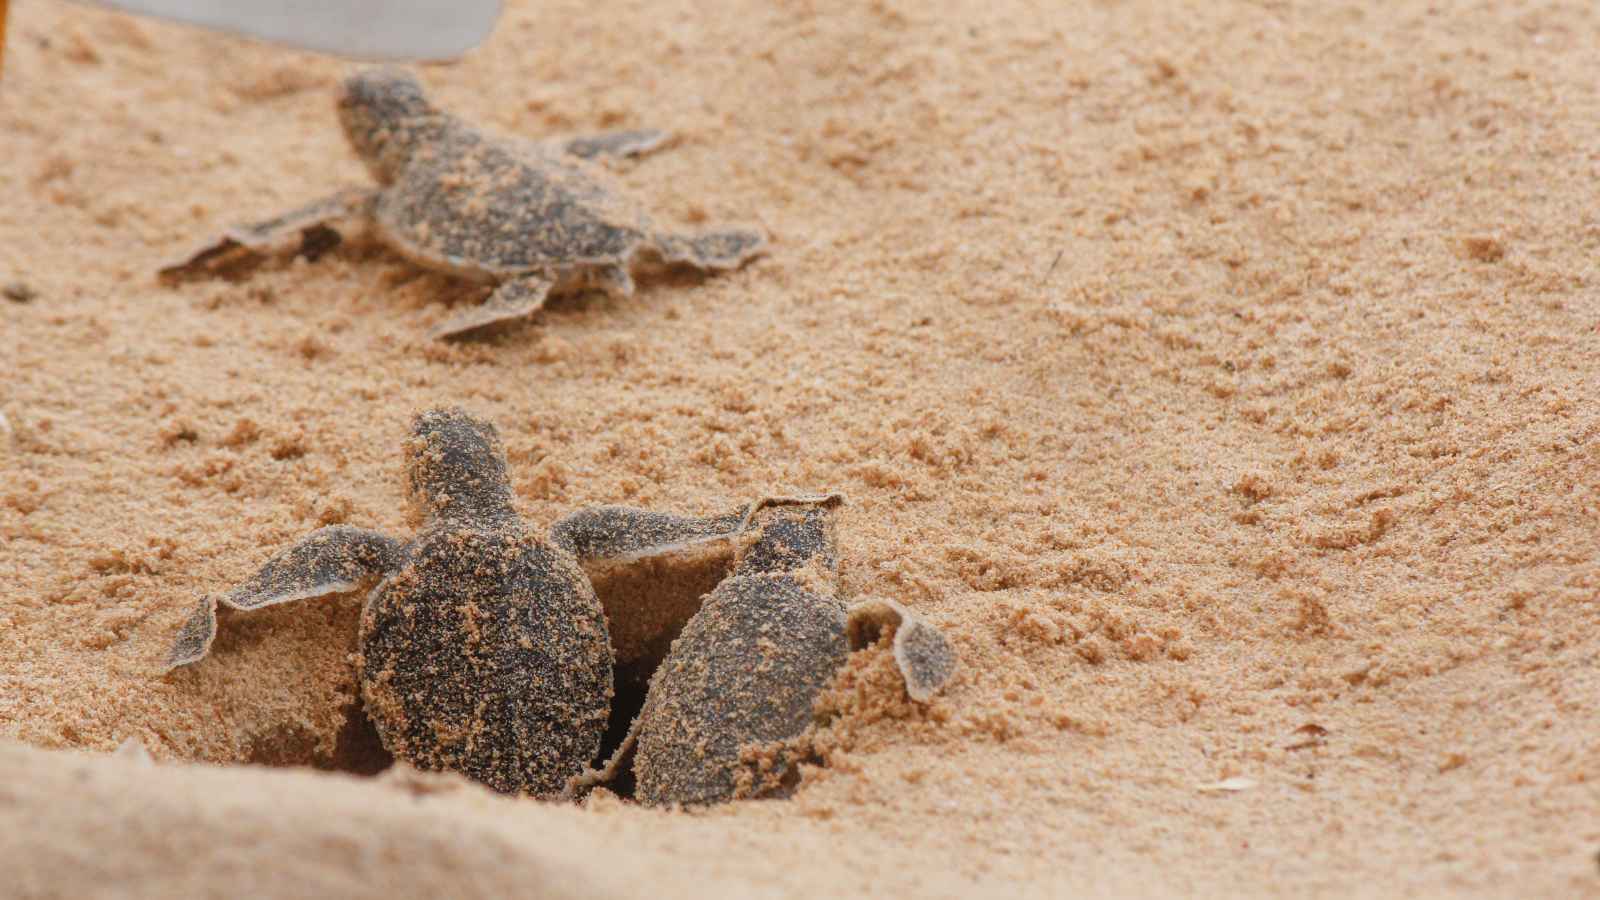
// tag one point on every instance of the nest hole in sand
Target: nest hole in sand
(357, 749)
(647, 603)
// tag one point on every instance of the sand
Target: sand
(1218, 375)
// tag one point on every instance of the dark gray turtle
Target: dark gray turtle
(749, 665)
(529, 217)
(483, 649)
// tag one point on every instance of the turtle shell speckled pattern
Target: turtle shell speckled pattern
(470, 206)
(745, 671)
(748, 666)
(487, 654)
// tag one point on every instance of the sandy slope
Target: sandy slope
(1220, 375)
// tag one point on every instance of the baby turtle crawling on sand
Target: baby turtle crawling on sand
(530, 217)
(748, 667)
(483, 649)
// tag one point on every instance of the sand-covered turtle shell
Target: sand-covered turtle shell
(491, 209)
(745, 671)
(487, 654)
(742, 678)
(748, 666)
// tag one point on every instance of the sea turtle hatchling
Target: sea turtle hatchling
(747, 669)
(530, 217)
(483, 649)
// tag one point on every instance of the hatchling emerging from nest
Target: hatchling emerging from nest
(483, 648)
(529, 217)
(743, 675)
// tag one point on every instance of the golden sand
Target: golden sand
(1218, 375)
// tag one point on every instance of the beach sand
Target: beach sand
(1218, 375)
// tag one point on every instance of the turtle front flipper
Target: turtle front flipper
(921, 652)
(621, 534)
(309, 221)
(328, 561)
(514, 299)
(615, 143)
(650, 571)
(721, 249)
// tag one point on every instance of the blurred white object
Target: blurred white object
(390, 30)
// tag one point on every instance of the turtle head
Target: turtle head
(456, 467)
(384, 112)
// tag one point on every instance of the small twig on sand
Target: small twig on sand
(1050, 271)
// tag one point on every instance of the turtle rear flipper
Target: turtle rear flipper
(514, 299)
(613, 766)
(309, 221)
(712, 250)
(615, 281)
(330, 560)
(615, 143)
